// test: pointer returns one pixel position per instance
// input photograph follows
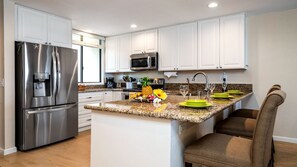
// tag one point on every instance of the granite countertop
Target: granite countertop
(168, 109)
(101, 89)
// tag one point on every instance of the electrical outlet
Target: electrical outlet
(224, 76)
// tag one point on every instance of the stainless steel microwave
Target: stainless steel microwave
(144, 61)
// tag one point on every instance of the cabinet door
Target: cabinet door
(151, 40)
(232, 42)
(138, 42)
(107, 96)
(59, 31)
(111, 55)
(31, 25)
(124, 53)
(187, 47)
(116, 96)
(209, 44)
(167, 48)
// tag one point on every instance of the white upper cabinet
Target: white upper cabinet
(59, 31)
(111, 54)
(32, 25)
(151, 41)
(209, 44)
(168, 48)
(232, 42)
(118, 51)
(145, 41)
(187, 46)
(124, 53)
(221, 43)
(178, 47)
(40, 27)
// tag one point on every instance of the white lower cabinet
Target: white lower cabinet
(84, 115)
(117, 95)
(107, 96)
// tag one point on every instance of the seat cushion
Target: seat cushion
(245, 113)
(220, 150)
(237, 126)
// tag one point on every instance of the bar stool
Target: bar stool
(251, 113)
(221, 150)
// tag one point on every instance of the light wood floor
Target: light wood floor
(76, 153)
(70, 153)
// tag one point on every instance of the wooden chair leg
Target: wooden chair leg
(271, 163)
(187, 164)
(273, 148)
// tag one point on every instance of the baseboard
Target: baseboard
(8, 151)
(285, 139)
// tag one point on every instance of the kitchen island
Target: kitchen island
(132, 134)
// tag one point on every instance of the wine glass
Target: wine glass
(212, 87)
(184, 90)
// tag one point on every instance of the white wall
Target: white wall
(272, 57)
(273, 46)
(1, 76)
(8, 126)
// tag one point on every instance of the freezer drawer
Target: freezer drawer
(48, 125)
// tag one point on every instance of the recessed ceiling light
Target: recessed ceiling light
(213, 5)
(133, 26)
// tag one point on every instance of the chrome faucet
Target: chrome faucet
(206, 80)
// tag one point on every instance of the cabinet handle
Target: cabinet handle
(89, 97)
(217, 67)
(220, 67)
(89, 120)
(45, 42)
(50, 43)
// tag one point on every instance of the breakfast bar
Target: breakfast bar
(131, 134)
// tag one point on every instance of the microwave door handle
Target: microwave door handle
(149, 61)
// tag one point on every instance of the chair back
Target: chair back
(273, 88)
(261, 147)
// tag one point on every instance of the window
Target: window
(89, 48)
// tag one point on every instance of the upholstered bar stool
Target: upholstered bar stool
(251, 113)
(242, 122)
(221, 150)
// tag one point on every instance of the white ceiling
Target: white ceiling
(112, 17)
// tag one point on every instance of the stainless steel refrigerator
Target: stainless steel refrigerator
(46, 94)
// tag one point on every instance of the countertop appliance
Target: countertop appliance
(144, 61)
(46, 94)
(110, 83)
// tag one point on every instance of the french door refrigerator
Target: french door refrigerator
(46, 94)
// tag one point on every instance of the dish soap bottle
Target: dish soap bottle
(224, 84)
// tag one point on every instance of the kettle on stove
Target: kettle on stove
(110, 82)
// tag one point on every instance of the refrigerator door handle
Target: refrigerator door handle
(48, 109)
(54, 73)
(58, 70)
